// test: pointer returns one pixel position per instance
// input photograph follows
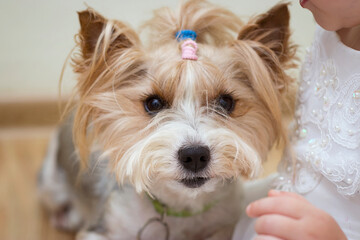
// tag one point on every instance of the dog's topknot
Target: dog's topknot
(213, 24)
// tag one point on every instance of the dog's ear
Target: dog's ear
(96, 33)
(268, 35)
(264, 45)
(270, 29)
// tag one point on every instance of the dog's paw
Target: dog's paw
(66, 218)
(84, 235)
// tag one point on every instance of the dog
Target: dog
(163, 132)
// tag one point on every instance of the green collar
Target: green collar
(162, 209)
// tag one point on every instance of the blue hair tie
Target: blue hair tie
(185, 34)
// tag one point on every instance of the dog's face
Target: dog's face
(182, 125)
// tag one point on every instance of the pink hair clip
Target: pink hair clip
(189, 48)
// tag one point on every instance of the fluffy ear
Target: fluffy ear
(104, 45)
(110, 58)
(264, 45)
(272, 30)
(99, 33)
(268, 35)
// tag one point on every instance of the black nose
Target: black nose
(194, 158)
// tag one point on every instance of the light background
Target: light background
(37, 36)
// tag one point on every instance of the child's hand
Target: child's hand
(288, 216)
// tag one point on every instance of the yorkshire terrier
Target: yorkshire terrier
(163, 133)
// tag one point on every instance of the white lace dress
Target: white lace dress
(326, 139)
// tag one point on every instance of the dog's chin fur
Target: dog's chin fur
(178, 196)
(167, 191)
(117, 76)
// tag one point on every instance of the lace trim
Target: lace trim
(327, 130)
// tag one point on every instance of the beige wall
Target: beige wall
(37, 35)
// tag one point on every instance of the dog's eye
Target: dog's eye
(226, 102)
(154, 104)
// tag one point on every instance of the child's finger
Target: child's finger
(266, 237)
(278, 226)
(286, 206)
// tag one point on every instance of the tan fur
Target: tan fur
(117, 73)
(212, 23)
(113, 132)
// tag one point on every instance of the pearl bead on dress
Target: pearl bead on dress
(356, 94)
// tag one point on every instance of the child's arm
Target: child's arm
(288, 216)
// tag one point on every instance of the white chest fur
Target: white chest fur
(127, 212)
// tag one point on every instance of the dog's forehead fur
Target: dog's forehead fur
(214, 73)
